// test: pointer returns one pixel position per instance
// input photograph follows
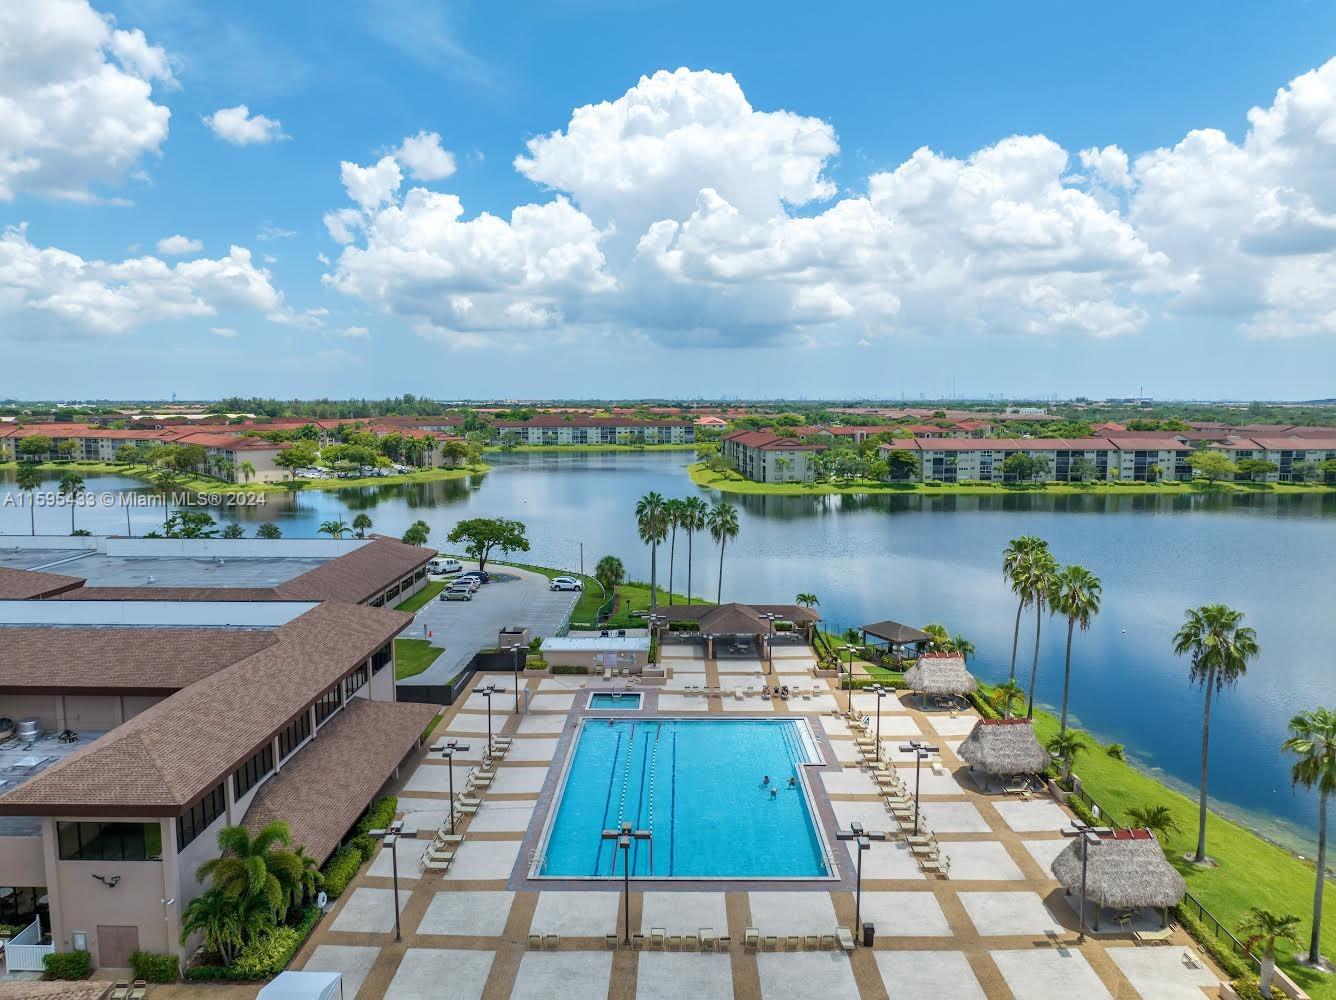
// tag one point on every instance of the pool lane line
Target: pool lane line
(634, 860)
(607, 802)
(672, 812)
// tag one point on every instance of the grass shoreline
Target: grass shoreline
(732, 482)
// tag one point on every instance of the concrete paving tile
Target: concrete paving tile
(928, 975)
(467, 914)
(1001, 913)
(440, 974)
(784, 913)
(575, 913)
(802, 975)
(905, 914)
(484, 859)
(668, 976)
(369, 910)
(353, 962)
(1042, 974)
(563, 975)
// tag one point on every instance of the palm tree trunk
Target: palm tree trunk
(690, 536)
(1200, 856)
(1016, 637)
(1315, 944)
(672, 558)
(653, 577)
(1268, 973)
(1067, 674)
(1034, 664)
(719, 596)
(72, 499)
(32, 512)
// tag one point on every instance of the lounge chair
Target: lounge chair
(121, 991)
(138, 990)
(751, 939)
(612, 940)
(658, 937)
(846, 938)
(707, 938)
(468, 800)
(674, 942)
(466, 810)
(813, 942)
(737, 694)
(440, 855)
(552, 941)
(1162, 936)
(535, 941)
(771, 942)
(436, 866)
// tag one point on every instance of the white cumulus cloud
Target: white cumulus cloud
(241, 128)
(425, 158)
(178, 245)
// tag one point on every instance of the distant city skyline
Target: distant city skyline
(600, 201)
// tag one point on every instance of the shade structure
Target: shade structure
(737, 619)
(1125, 870)
(940, 674)
(895, 633)
(1004, 748)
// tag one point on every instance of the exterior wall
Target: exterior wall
(22, 861)
(91, 713)
(595, 661)
(572, 432)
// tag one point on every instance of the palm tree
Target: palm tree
(723, 524)
(941, 638)
(1264, 930)
(609, 572)
(417, 534)
(1074, 595)
(694, 512)
(1066, 746)
(1005, 696)
(1220, 647)
(652, 522)
(309, 880)
(71, 485)
(1158, 819)
(362, 524)
(1014, 558)
(255, 867)
(959, 644)
(218, 917)
(673, 513)
(247, 471)
(1313, 739)
(28, 478)
(1037, 580)
(335, 529)
(806, 600)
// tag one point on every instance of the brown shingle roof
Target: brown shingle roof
(143, 660)
(173, 594)
(164, 759)
(736, 619)
(358, 575)
(323, 788)
(25, 585)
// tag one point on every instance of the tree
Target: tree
(299, 456)
(723, 524)
(1313, 739)
(28, 478)
(1074, 594)
(362, 524)
(694, 512)
(941, 638)
(1158, 819)
(247, 469)
(1329, 469)
(785, 464)
(34, 448)
(806, 600)
(1080, 470)
(674, 511)
(190, 524)
(1066, 747)
(1006, 695)
(959, 644)
(609, 572)
(1037, 579)
(902, 464)
(1022, 466)
(269, 530)
(1254, 468)
(337, 529)
(71, 485)
(1211, 465)
(417, 534)
(126, 454)
(309, 880)
(1306, 472)
(1262, 931)
(1220, 647)
(483, 534)
(652, 525)
(1015, 558)
(234, 530)
(222, 922)
(261, 867)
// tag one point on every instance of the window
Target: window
(109, 841)
(392, 593)
(198, 817)
(420, 574)
(249, 774)
(379, 602)
(355, 680)
(294, 735)
(20, 904)
(381, 658)
(328, 704)
(405, 583)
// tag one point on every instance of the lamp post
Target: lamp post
(1090, 836)
(881, 693)
(391, 838)
(862, 840)
(770, 618)
(448, 752)
(487, 693)
(623, 836)
(849, 678)
(921, 752)
(516, 650)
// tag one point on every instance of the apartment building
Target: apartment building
(770, 458)
(1130, 459)
(1284, 452)
(550, 429)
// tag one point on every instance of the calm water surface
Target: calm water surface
(920, 559)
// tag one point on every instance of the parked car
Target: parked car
(458, 593)
(440, 566)
(469, 582)
(482, 576)
(565, 583)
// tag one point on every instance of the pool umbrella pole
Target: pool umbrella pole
(623, 836)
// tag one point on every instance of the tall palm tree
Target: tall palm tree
(1313, 739)
(335, 529)
(1262, 931)
(959, 644)
(1014, 559)
(652, 523)
(723, 525)
(1220, 647)
(1066, 747)
(673, 514)
(806, 600)
(218, 917)
(28, 478)
(1037, 580)
(1005, 696)
(694, 512)
(1158, 819)
(71, 485)
(262, 866)
(247, 470)
(362, 524)
(1074, 595)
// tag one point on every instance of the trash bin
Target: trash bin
(869, 933)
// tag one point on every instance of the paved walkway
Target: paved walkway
(998, 928)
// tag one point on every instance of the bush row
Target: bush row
(153, 967)
(268, 955)
(1234, 965)
(68, 964)
(379, 815)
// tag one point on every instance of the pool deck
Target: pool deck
(998, 928)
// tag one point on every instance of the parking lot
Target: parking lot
(514, 597)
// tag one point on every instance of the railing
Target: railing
(25, 953)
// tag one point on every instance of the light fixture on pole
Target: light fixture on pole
(448, 751)
(622, 837)
(487, 691)
(921, 751)
(516, 650)
(862, 840)
(770, 618)
(881, 693)
(849, 678)
(1090, 837)
(391, 836)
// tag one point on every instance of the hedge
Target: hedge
(569, 668)
(1234, 966)
(154, 967)
(68, 964)
(266, 956)
(1249, 988)
(983, 706)
(340, 869)
(379, 815)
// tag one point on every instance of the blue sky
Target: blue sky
(887, 200)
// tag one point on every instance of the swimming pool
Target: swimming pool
(699, 787)
(618, 701)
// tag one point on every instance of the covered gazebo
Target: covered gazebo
(1125, 871)
(726, 626)
(1004, 748)
(897, 637)
(941, 675)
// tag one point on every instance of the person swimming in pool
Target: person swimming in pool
(773, 791)
(765, 781)
(793, 782)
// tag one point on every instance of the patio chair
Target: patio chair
(121, 991)
(771, 942)
(792, 942)
(535, 941)
(552, 941)
(1190, 961)
(737, 694)
(638, 941)
(725, 942)
(813, 942)
(846, 939)
(751, 939)
(707, 939)
(829, 942)
(674, 942)
(612, 941)
(658, 937)
(139, 990)
(691, 942)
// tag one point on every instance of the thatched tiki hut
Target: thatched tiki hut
(1004, 748)
(1126, 870)
(941, 675)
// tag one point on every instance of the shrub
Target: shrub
(340, 869)
(983, 706)
(569, 668)
(1117, 751)
(1234, 966)
(687, 626)
(365, 845)
(153, 967)
(379, 815)
(68, 964)
(266, 956)
(1248, 988)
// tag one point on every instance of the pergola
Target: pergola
(1127, 870)
(754, 622)
(896, 636)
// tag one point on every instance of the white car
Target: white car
(565, 583)
(460, 593)
(440, 566)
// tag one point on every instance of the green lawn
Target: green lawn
(1252, 871)
(423, 597)
(632, 597)
(412, 656)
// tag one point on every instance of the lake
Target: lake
(917, 559)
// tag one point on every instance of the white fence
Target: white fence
(24, 952)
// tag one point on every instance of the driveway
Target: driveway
(461, 628)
